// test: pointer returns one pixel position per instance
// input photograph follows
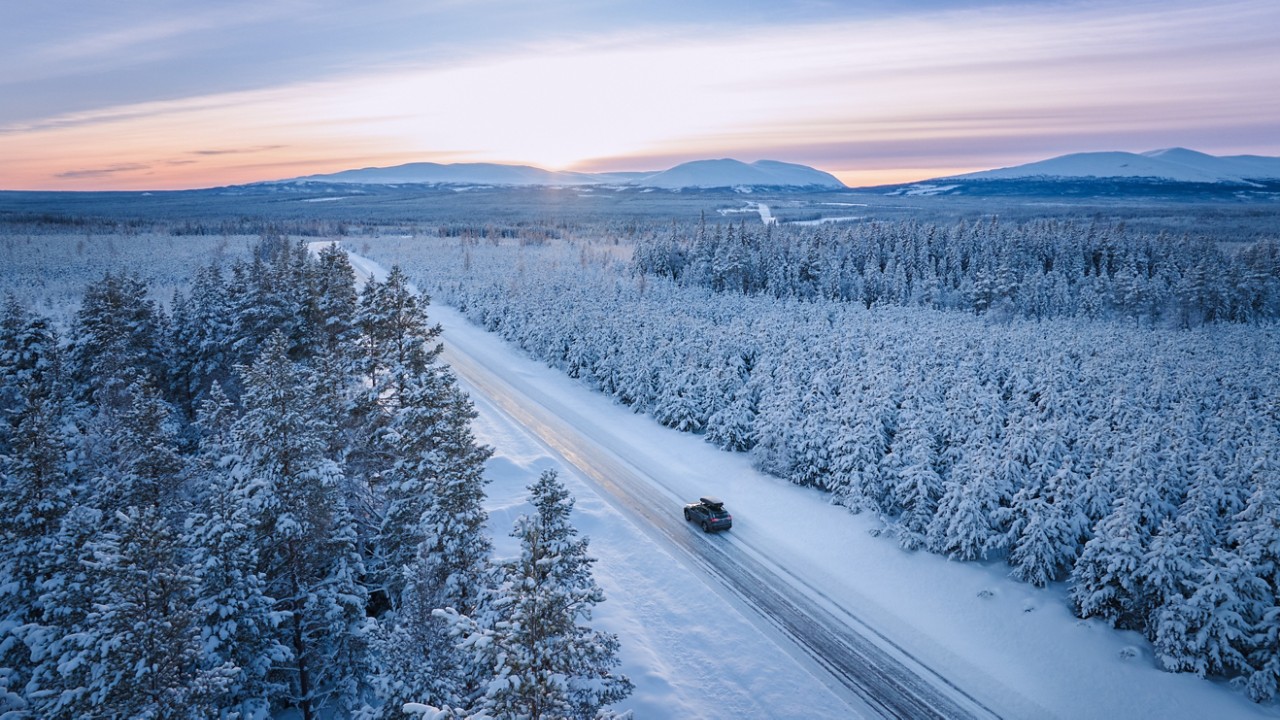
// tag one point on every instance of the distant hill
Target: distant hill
(454, 173)
(724, 173)
(1171, 164)
(1169, 171)
(734, 173)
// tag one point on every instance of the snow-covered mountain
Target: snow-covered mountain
(1171, 173)
(721, 173)
(735, 173)
(1168, 165)
(1249, 167)
(454, 173)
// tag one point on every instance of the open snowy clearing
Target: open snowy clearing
(694, 650)
(829, 220)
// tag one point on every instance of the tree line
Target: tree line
(1037, 269)
(268, 498)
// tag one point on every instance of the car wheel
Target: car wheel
(686, 516)
(706, 526)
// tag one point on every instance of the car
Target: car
(709, 513)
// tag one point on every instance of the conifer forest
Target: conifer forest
(1086, 403)
(239, 481)
(264, 495)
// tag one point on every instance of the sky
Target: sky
(168, 94)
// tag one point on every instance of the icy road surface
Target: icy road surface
(799, 618)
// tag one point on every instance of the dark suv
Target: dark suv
(709, 512)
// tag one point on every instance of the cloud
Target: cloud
(131, 34)
(238, 151)
(116, 115)
(102, 172)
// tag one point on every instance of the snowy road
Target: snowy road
(883, 681)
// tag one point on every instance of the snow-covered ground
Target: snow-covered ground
(752, 208)
(828, 220)
(694, 652)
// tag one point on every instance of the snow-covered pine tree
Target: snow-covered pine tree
(733, 426)
(396, 339)
(140, 642)
(433, 537)
(1209, 633)
(681, 404)
(811, 445)
(116, 339)
(435, 488)
(65, 597)
(1175, 564)
(307, 539)
(1256, 535)
(35, 489)
(1045, 539)
(913, 465)
(965, 525)
(201, 333)
(132, 453)
(1105, 580)
(237, 619)
(543, 663)
(332, 309)
(270, 295)
(859, 448)
(1044, 526)
(395, 347)
(30, 358)
(131, 642)
(702, 253)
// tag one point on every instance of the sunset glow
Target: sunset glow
(872, 98)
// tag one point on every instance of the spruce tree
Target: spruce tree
(128, 638)
(238, 620)
(140, 641)
(396, 340)
(35, 490)
(545, 664)
(332, 309)
(117, 339)
(1208, 633)
(914, 463)
(202, 332)
(307, 540)
(433, 546)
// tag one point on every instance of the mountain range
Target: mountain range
(1169, 165)
(723, 173)
(1166, 171)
